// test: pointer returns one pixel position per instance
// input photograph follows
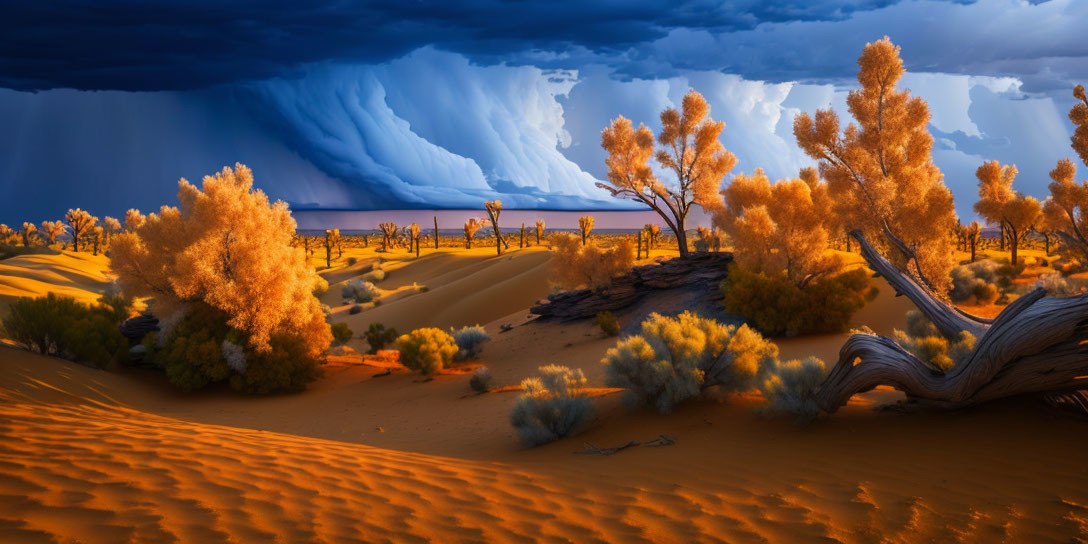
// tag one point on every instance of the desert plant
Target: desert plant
(471, 227)
(553, 405)
(7, 235)
(979, 279)
(790, 386)
(1057, 285)
(97, 236)
(355, 309)
(690, 148)
(470, 341)
(79, 222)
(332, 239)
(585, 226)
(925, 342)
(112, 226)
(352, 261)
(413, 237)
(62, 326)
(712, 239)
(608, 323)
(651, 231)
(494, 208)
(341, 333)
(389, 232)
(229, 248)
(427, 350)
(673, 359)
(359, 290)
(377, 337)
(480, 381)
(575, 265)
(539, 230)
(776, 306)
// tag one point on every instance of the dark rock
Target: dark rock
(136, 328)
(694, 280)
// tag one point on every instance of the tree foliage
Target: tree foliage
(575, 265)
(226, 247)
(998, 203)
(689, 148)
(80, 222)
(879, 171)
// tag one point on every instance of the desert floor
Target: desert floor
(118, 456)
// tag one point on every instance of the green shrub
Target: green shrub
(775, 306)
(480, 381)
(341, 333)
(62, 326)
(674, 359)
(200, 349)
(979, 280)
(608, 323)
(553, 405)
(377, 336)
(286, 368)
(427, 350)
(470, 341)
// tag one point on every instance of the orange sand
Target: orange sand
(93, 456)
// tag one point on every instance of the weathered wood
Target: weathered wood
(1037, 345)
(698, 271)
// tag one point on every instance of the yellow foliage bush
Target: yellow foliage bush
(427, 350)
(575, 265)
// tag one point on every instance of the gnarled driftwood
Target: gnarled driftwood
(1036, 345)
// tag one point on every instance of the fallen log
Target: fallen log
(1037, 345)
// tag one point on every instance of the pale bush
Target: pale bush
(553, 405)
(427, 350)
(359, 291)
(470, 341)
(674, 359)
(480, 381)
(791, 386)
(1058, 286)
(575, 265)
(979, 280)
(375, 275)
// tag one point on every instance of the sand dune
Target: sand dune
(94, 456)
(79, 275)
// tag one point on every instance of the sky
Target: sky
(438, 104)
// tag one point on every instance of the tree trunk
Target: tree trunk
(436, 232)
(1036, 345)
(1046, 243)
(328, 256)
(682, 239)
(638, 248)
(523, 236)
(973, 241)
(1002, 237)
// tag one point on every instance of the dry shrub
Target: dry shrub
(608, 323)
(676, 358)
(480, 381)
(377, 336)
(791, 386)
(470, 341)
(776, 306)
(553, 405)
(427, 350)
(925, 342)
(575, 265)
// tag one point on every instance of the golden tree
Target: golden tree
(690, 149)
(1078, 114)
(998, 203)
(112, 226)
(7, 234)
(52, 229)
(585, 226)
(779, 228)
(97, 236)
(972, 234)
(881, 177)
(494, 208)
(539, 230)
(134, 219)
(652, 231)
(1065, 211)
(880, 173)
(471, 227)
(29, 231)
(80, 223)
(227, 247)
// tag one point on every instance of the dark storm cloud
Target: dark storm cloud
(130, 45)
